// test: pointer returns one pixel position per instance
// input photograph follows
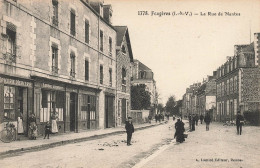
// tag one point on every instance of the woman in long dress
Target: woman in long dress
(20, 129)
(54, 127)
(33, 132)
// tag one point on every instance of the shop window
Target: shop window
(101, 40)
(92, 101)
(52, 102)
(72, 22)
(54, 49)
(9, 95)
(86, 31)
(55, 12)
(101, 74)
(72, 65)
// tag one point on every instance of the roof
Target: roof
(122, 31)
(142, 66)
(249, 48)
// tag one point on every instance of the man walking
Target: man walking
(239, 123)
(201, 118)
(207, 120)
(129, 130)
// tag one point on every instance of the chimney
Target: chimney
(108, 13)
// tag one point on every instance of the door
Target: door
(72, 111)
(109, 111)
(123, 112)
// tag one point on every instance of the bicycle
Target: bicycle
(8, 134)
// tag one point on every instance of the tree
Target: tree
(140, 98)
(170, 105)
(160, 108)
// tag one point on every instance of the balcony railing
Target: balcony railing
(10, 57)
(55, 69)
(72, 73)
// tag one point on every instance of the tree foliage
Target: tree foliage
(140, 98)
(170, 104)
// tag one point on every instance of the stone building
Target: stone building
(238, 83)
(206, 95)
(58, 56)
(124, 59)
(141, 74)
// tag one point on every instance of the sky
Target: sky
(181, 49)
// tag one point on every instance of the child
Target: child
(47, 129)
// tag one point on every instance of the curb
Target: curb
(11, 153)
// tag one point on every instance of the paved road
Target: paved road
(219, 147)
(111, 151)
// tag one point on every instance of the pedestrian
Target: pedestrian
(129, 130)
(190, 121)
(156, 118)
(193, 122)
(20, 129)
(239, 123)
(207, 120)
(32, 127)
(150, 118)
(179, 127)
(54, 126)
(201, 118)
(196, 119)
(47, 130)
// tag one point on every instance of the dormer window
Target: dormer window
(55, 12)
(123, 49)
(101, 10)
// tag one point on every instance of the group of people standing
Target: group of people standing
(194, 119)
(32, 126)
(159, 117)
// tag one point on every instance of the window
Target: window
(231, 85)
(231, 66)
(88, 108)
(101, 10)
(235, 84)
(55, 12)
(86, 31)
(123, 49)
(101, 74)
(227, 107)
(227, 67)
(72, 65)
(235, 106)
(54, 59)
(72, 22)
(110, 46)
(110, 77)
(86, 70)
(235, 66)
(142, 74)
(228, 87)
(9, 95)
(11, 43)
(123, 80)
(52, 102)
(92, 105)
(101, 40)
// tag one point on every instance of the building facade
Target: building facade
(124, 59)
(141, 74)
(238, 84)
(58, 57)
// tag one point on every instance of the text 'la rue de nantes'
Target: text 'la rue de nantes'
(186, 13)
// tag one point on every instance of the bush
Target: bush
(253, 117)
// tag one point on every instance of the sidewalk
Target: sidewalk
(26, 145)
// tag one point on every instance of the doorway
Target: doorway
(73, 111)
(109, 111)
(123, 111)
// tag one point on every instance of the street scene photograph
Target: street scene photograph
(129, 84)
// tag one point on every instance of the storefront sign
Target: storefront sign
(16, 82)
(49, 86)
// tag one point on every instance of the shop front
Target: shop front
(15, 102)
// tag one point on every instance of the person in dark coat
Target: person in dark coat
(196, 119)
(179, 127)
(193, 122)
(239, 122)
(207, 120)
(190, 121)
(47, 130)
(201, 118)
(156, 117)
(129, 130)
